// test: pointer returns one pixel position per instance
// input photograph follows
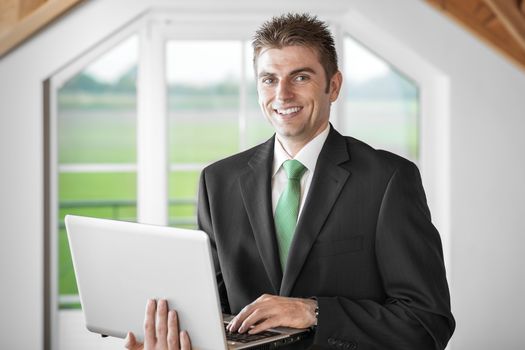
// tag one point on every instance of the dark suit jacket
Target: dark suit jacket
(364, 246)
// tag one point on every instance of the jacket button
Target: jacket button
(332, 342)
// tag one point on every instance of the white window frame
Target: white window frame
(171, 25)
(153, 28)
(55, 82)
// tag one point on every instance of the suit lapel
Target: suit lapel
(256, 192)
(329, 178)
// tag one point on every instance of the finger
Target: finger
(258, 315)
(173, 331)
(131, 342)
(185, 343)
(264, 297)
(149, 323)
(237, 320)
(161, 323)
(271, 322)
(232, 322)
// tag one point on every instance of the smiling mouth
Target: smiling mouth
(287, 111)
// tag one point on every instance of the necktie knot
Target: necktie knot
(294, 169)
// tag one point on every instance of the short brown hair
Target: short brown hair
(298, 29)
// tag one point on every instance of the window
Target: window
(381, 105)
(203, 111)
(210, 109)
(100, 117)
(96, 119)
(257, 128)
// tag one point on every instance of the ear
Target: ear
(335, 85)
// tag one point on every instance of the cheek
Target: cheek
(264, 104)
(263, 97)
(262, 101)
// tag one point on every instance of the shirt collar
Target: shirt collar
(307, 155)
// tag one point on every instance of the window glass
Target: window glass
(96, 116)
(97, 110)
(183, 193)
(381, 104)
(258, 128)
(203, 80)
(103, 195)
(203, 99)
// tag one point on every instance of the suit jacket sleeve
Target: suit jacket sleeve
(205, 224)
(416, 314)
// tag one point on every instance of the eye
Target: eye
(267, 81)
(301, 78)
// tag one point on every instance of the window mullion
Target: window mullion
(243, 144)
(337, 114)
(152, 145)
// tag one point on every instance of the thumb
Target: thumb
(131, 341)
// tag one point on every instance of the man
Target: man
(313, 229)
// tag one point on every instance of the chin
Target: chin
(287, 132)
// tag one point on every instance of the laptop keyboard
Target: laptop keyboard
(246, 337)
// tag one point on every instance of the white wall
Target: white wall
(487, 166)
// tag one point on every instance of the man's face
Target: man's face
(291, 84)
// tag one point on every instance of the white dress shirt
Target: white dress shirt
(307, 156)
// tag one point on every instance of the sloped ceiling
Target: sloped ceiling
(20, 19)
(500, 23)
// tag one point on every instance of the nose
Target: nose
(284, 91)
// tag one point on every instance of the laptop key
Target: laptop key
(246, 337)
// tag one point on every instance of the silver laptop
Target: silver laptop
(119, 265)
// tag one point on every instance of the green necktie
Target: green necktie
(288, 208)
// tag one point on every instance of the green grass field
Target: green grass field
(112, 187)
(95, 131)
(101, 134)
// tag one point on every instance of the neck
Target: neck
(292, 146)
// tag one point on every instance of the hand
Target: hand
(270, 311)
(161, 330)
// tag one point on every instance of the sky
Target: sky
(117, 61)
(201, 62)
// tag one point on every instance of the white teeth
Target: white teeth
(288, 110)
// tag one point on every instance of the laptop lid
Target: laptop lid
(119, 265)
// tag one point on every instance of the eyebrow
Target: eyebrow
(295, 71)
(303, 70)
